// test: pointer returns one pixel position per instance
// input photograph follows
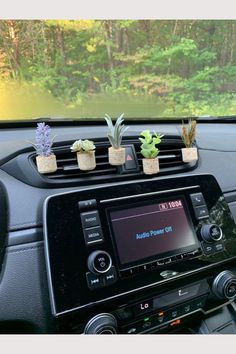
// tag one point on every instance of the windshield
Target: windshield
(85, 69)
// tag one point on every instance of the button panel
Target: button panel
(159, 263)
(163, 319)
(91, 223)
(213, 248)
(95, 281)
(199, 206)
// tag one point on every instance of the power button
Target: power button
(99, 262)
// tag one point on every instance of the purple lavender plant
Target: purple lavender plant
(43, 140)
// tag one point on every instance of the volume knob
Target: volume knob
(211, 233)
(99, 262)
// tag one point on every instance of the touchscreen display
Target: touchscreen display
(149, 230)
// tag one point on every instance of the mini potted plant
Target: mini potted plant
(150, 151)
(85, 151)
(45, 159)
(116, 153)
(189, 153)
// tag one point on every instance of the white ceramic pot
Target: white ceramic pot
(151, 166)
(189, 154)
(86, 160)
(46, 164)
(116, 156)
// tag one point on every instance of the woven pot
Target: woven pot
(116, 156)
(151, 166)
(189, 154)
(86, 160)
(46, 164)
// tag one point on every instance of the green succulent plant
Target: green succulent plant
(149, 142)
(116, 131)
(83, 146)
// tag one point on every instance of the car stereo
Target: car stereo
(104, 244)
(147, 231)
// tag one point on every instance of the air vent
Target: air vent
(170, 162)
(23, 166)
(68, 168)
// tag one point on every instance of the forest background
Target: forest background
(144, 68)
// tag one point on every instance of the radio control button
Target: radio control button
(93, 235)
(90, 219)
(197, 199)
(94, 281)
(208, 248)
(87, 204)
(219, 247)
(144, 268)
(201, 212)
(131, 271)
(160, 262)
(102, 262)
(110, 277)
(99, 262)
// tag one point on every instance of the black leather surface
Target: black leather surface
(23, 289)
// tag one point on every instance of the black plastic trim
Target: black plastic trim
(24, 236)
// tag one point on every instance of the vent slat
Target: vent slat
(85, 173)
(76, 167)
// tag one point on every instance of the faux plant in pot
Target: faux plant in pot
(45, 160)
(189, 153)
(116, 153)
(85, 151)
(150, 151)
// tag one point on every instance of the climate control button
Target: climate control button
(99, 262)
(211, 233)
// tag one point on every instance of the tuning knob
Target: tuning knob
(103, 323)
(224, 285)
(211, 233)
(99, 262)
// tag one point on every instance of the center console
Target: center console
(139, 257)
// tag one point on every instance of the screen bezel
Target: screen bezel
(159, 256)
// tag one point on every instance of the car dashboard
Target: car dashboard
(113, 250)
